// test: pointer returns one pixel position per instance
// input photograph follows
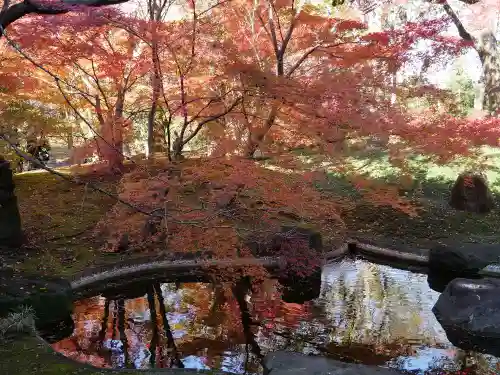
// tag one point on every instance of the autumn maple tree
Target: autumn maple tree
(266, 75)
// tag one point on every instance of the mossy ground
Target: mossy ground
(436, 221)
(27, 355)
(58, 218)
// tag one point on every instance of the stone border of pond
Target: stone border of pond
(166, 270)
(173, 270)
(412, 262)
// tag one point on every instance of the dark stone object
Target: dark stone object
(51, 298)
(302, 248)
(291, 363)
(470, 193)
(466, 260)
(10, 220)
(469, 312)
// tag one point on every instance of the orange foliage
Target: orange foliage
(212, 204)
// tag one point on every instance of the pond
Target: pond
(366, 313)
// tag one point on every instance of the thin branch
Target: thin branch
(280, 29)
(308, 52)
(74, 180)
(99, 87)
(211, 118)
(289, 33)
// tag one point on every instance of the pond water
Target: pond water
(366, 313)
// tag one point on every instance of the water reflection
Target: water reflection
(366, 313)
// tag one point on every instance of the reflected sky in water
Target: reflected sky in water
(366, 313)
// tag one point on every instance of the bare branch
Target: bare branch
(211, 118)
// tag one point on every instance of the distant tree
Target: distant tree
(462, 87)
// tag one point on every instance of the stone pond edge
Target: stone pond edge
(394, 258)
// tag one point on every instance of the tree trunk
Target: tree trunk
(116, 162)
(70, 140)
(110, 146)
(487, 49)
(254, 140)
(177, 148)
(489, 55)
(155, 82)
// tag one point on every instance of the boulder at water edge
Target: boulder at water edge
(290, 363)
(469, 312)
(465, 260)
(50, 298)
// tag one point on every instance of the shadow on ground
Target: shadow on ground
(436, 221)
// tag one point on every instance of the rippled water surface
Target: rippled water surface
(366, 313)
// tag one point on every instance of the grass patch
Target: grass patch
(430, 190)
(26, 355)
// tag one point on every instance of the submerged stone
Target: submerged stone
(290, 363)
(492, 270)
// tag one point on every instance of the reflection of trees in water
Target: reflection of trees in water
(365, 314)
(341, 324)
(369, 306)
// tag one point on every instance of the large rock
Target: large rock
(302, 247)
(471, 193)
(290, 363)
(466, 260)
(50, 298)
(10, 220)
(469, 312)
